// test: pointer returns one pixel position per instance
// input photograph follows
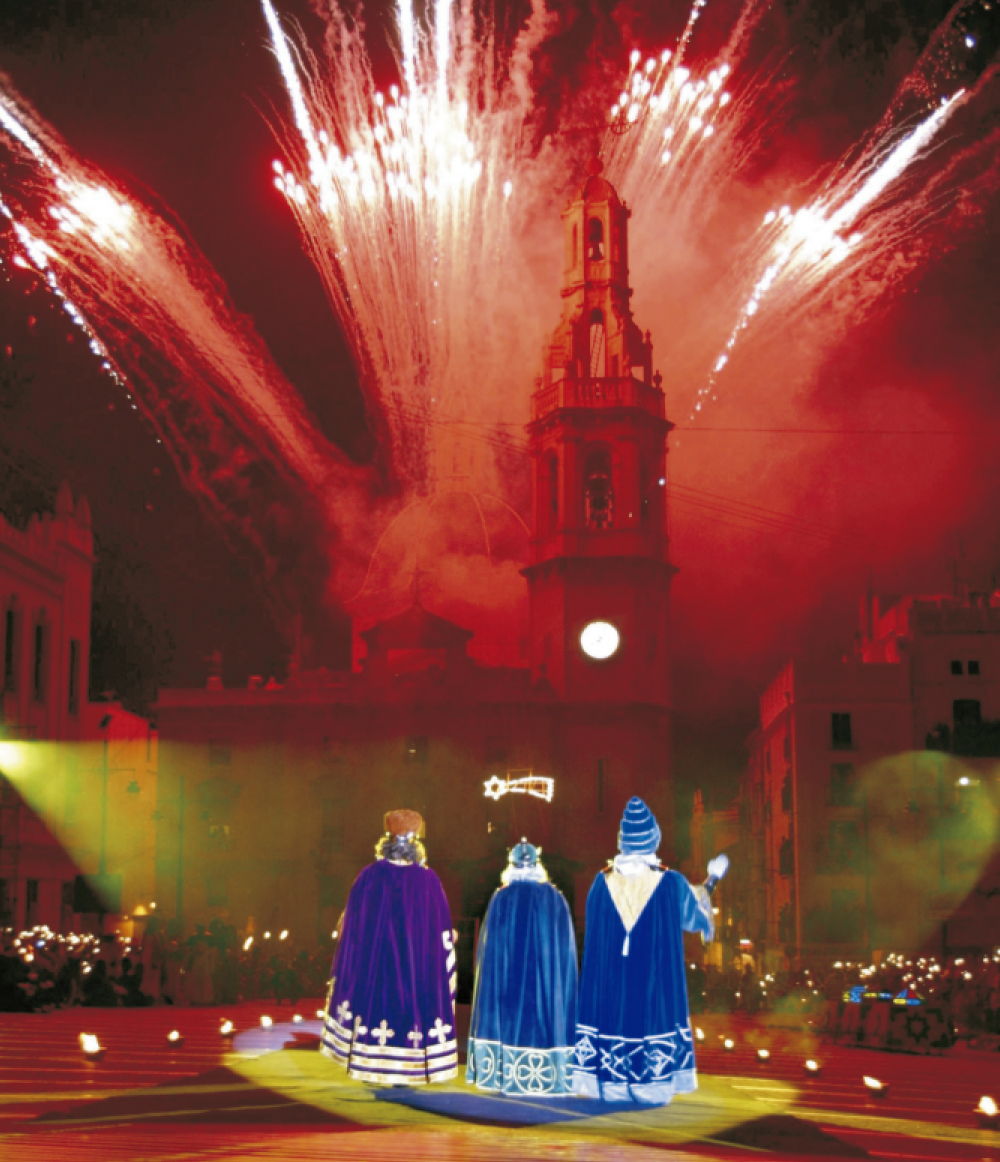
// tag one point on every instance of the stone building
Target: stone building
(54, 750)
(870, 804)
(271, 797)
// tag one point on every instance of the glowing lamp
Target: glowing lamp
(988, 1113)
(93, 1050)
(266, 1022)
(267, 935)
(763, 1054)
(875, 1087)
(729, 1044)
(700, 1034)
(321, 1014)
(174, 1038)
(284, 934)
(297, 1019)
(247, 943)
(812, 1066)
(227, 1028)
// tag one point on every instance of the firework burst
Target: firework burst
(159, 322)
(419, 204)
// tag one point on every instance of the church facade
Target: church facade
(271, 796)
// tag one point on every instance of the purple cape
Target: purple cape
(391, 1015)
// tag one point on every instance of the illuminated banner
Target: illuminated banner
(537, 785)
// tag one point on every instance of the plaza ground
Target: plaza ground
(267, 1094)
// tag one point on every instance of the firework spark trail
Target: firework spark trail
(408, 214)
(809, 256)
(134, 287)
(659, 149)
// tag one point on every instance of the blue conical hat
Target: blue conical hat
(639, 833)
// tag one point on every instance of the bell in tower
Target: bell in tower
(597, 338)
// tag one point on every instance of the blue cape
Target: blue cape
(390, 1015)
(633, 1035)
(524, 1005)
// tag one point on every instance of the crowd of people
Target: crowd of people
(968, 987)
(42, 970)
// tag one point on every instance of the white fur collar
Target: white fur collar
(632, 865)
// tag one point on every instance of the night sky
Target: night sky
(793, 492)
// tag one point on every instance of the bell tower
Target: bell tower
(600, 573)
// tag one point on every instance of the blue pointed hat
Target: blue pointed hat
(639, 833)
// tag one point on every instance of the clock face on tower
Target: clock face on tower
(599, 640)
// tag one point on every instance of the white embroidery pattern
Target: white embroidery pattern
(633, 1060)
(440, 1031)
(383, 1033)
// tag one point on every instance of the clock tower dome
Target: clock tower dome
(600, 573)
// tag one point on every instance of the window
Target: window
(956, 667)
(415, 749)
(595, 240)
(973, 668)
(966, 712)
(598, 491)
(73, 699)
(767, 760)
(786, 857)
(38, 672)
(216, 891)
(331, 813)
(30, 903)
(66, 905)
(598, 346)
(843, 790)
(840, 731)
(846, 916)
(10, 649)
(786, 747)
(5, 905)
(786, 793)
(843, 849)
(497, 749)
(548, 480)
(220, 754)
(575, 245)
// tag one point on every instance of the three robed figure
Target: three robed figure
(633, 1033)
(390, 1015)
(524, 1004)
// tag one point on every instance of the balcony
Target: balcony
(623, 392)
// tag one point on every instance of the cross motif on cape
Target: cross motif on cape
(440, 1031)
(383, 1033)
(359, 1029)
(416, 1037)
(344, 1013)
